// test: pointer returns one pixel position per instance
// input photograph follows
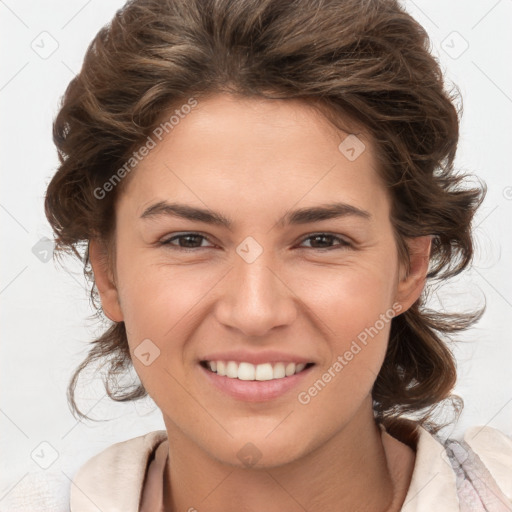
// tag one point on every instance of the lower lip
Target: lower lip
(255, 390)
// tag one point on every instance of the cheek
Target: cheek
(155, 297)
(348, 297)
(354, 306)
(359, 320)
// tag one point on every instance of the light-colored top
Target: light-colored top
(129, 476)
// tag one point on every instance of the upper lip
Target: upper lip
(260, 357)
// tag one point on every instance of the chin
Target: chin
(260, 451)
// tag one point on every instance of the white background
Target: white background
(45, 312)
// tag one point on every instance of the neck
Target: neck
(351, 471)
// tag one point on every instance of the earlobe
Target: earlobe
(104, 281)
(412, 279)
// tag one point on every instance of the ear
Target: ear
(413, 277)
(104, 279)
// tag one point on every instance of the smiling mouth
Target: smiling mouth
(255, 372)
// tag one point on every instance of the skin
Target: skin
(254, 160)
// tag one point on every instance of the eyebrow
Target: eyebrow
(300, 216)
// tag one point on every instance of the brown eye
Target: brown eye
(325, 240)
(185, 241)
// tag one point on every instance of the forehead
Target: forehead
(255, 153)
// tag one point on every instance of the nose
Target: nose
(255, 297)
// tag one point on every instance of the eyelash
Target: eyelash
(343, 245)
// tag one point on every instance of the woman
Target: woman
(262, 190)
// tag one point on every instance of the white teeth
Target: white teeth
(232, 370)
(279, 371)
(264, 372)
(248, 371)
(221, 368)
(290, 369)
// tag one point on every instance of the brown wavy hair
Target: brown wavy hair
(366, 61)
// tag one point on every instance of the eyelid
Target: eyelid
(173, 236)
(345, 242)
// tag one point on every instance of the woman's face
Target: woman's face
(290, 279)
